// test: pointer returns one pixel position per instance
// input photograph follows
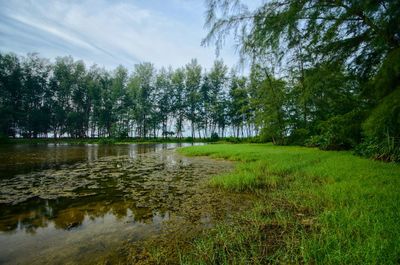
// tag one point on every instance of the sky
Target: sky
(110, 32)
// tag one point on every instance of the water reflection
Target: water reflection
(23, 158)
(68, 214)
(113, 194)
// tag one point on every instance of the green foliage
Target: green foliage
(384, 120)
(340, 132)
(119, 132)
(299, 136)
(141, 87)
(240, 111)
(233, 140)
(11, 93)
(188, 139)
(388, 76)
(270, 99)
(192, 93)
(214, 137)
(385, 150)
(66, 99)
(382, 130)
(106, 141)
(337, 59)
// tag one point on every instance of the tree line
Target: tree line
(39, 98)
(328, 72)
(323, 73)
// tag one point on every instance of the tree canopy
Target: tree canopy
(329, 69)
(68, 99)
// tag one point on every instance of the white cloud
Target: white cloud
(111, 32)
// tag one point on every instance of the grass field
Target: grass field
(313, 207)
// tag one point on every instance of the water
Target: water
(80, 204)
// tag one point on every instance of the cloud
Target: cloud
(108, 32)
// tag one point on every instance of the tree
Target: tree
(60, 87)
(270, 100)
(67, 99)
(217, 80)
(164, 90)
(239, 104)
(141, 86)
(179, 101)
(120, 103)
(360, 38)
(11, 94)
(192, 93)
(78, 116)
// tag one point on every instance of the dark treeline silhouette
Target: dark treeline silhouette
(39, 98)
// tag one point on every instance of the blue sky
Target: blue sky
(110, 32)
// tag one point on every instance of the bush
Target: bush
(214, 137)
(382, 130)
(340, 132)
(384, 120)
(386, 150)
(315, 141)
(232, 140)
(188, 139)
(106, 141)
(275, 136)
(299, 136)
(255, 140)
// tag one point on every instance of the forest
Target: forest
(321, 74)
(67, 99)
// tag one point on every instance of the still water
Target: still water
(78, 204)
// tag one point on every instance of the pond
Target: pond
(82, 204)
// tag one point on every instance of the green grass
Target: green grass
(314, 207)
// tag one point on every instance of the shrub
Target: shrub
(299, 136)
(188, 139)
(340, 132)
(214, 137)
(315, 141)
(382, 130)
(385, 150)
(106, 141)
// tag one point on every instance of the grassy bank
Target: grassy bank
(314, 207)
